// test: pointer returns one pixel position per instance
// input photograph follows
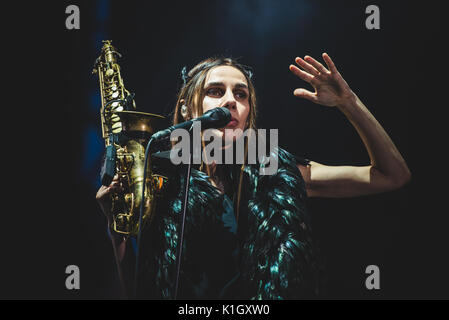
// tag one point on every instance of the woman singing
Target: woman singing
(247, 235)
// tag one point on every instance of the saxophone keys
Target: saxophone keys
(109, 72)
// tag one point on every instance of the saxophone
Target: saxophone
(126, 133)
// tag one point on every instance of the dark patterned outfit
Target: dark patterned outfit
(267, 254)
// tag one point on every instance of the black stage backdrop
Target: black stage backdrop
(396, 71)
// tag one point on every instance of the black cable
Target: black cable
(181, 241)
(139, 234)
(186, 197)
(142, 201)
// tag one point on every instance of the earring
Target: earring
(184, 110)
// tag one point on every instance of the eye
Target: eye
(214, 92)
(241, 94)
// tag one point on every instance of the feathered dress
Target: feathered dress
(267, 254)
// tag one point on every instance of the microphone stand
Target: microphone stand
(183, 217)
(184, 210)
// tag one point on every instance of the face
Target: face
(226, 86)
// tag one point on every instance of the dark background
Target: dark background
(396, 71)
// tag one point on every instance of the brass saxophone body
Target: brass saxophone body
(126, 133)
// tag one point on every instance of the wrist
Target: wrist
(117, 238)
(347, 102)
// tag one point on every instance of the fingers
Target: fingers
(307, 66)
(305, 94)
(115, 182)
(115, 187)
(330, 63)
(318, 66)
(115, 179)
(102, 193)
(314, 67)
(303, 75)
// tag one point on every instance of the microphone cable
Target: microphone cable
(142, 201)
(139, 233)
(184, 209)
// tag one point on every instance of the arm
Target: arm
(119, 243)
(103, 198)
(387, 169)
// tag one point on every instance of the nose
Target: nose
(229, 100)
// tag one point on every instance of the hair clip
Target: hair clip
(184, 75)
(250, 73)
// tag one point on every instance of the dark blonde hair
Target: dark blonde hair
(192, 95)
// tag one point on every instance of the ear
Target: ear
(184, 109)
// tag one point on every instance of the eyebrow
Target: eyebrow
(221, 84)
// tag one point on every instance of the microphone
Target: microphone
(214, 118)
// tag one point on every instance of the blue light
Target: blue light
(93, 142)
(102, 10)
(93, 149)
(97, 38)
(95, 101)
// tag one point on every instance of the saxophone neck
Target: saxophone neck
(109, 52)
(114, 96)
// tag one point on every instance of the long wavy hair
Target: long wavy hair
(192, 94)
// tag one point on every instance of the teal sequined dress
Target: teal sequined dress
(268, 254)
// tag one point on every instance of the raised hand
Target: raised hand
(330, 88)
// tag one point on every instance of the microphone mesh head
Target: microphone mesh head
(216, 118)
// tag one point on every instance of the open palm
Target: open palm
(330, 87)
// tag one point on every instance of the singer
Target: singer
(248, 236)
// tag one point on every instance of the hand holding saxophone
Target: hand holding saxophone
(126, 132)
(104, 196)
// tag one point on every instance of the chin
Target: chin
(229, 136)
